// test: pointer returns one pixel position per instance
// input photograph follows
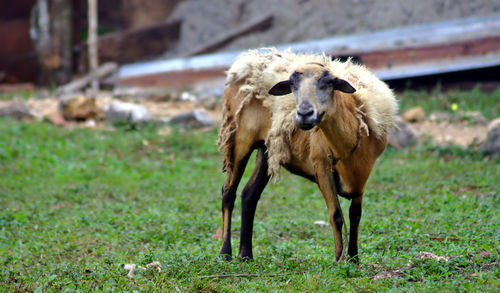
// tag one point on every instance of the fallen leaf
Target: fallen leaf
(56, 207)
(217, 234)
(444, 238)
(484, 253)
(425, 254)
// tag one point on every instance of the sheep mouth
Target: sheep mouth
(307, 123)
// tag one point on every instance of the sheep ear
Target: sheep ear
(281, 88)
(343, 86)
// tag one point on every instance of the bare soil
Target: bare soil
(460, 133)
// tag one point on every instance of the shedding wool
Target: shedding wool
(259, 70)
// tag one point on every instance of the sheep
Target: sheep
(319, 118)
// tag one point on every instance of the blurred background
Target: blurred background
(45, 41)
(78, 60)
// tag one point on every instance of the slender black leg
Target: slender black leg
(249, 199)
(228, 198)
(355, 211)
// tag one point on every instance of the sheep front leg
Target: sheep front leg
(355, 211)
(249, 198)
(325, 182)
(228, 198)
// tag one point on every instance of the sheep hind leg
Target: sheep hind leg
(249, 199)
(355, 211)
(229, 196)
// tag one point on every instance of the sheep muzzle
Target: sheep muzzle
(308, 118)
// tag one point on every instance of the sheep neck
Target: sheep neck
(340, 128)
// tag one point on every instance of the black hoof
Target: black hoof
(226, 257)
(247, 258)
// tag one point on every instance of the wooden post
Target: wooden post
(92, 43)
(51, 31)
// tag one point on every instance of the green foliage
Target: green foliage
(78, 204)
(19, 95)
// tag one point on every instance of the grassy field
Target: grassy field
(78, 204)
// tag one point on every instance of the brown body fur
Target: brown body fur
(336, 148)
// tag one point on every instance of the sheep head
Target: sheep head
(313, 86)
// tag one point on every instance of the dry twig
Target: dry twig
(245, 276)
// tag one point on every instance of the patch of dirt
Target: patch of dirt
(445, 133)
(47, 107)
(44, 107)
(173, 108)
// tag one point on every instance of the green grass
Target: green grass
(18, 95)
(77, 204)
(487, 103)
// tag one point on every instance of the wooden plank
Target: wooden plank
(387, 58)
(92, 44)
(80, 83)
(177, 80)
(51, 27)
(137, 44)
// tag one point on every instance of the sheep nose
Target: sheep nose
(305, 109)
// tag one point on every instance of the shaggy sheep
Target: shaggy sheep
(319, 118)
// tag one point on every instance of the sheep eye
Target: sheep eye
(323, 84)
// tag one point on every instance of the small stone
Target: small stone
(127, 113)
(320, 223)
(18, 111)
(195, 118)
(403, 136)
(492, 144)
(80, 108)
(90, 123)
(414, 115)
(187, 97)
